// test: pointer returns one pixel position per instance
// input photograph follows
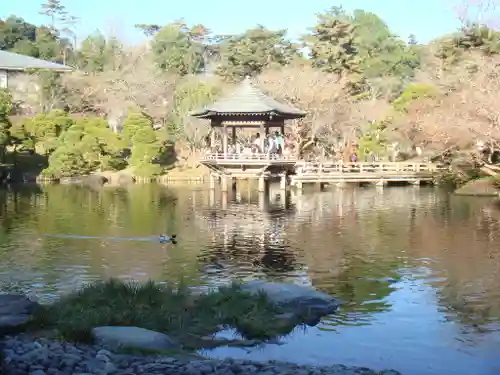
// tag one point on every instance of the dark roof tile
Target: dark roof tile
(248, 99)
(15, 61)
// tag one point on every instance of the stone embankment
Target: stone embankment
(48, 357)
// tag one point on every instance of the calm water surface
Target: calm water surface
(418, 268)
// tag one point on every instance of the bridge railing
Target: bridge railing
(247, 157)
(303, 167)
(367, 167)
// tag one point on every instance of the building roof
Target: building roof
(15, 61)
(248, 100)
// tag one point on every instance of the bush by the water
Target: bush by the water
(78, 146)
(173, 311)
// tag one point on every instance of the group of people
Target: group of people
(272, 144)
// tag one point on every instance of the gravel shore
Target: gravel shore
(49, 357)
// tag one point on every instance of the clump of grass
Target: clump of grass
(174, 311)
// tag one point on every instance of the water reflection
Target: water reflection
(417, 268)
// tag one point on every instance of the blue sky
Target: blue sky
(426, 19)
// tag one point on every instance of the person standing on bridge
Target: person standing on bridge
(257, 143)
(279, 143)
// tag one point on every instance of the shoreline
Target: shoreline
(118, 328)
(41, 356)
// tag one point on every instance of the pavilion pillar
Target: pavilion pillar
(224, 139)
(283, 181)
(212, 138)
(262, 136)
(233, 135)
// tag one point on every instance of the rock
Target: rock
(304, 302)
(92, 180)
(10, 322)
(15, 312)
(132, 337)
(478, 188)
(124, 179)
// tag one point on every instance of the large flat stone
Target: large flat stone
(15, 312)
(303, 301)
(116, 337)
(478, 188)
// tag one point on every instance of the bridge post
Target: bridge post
(212, 181)
(380, 183)
(298, 185)
(223, 183)
(341, 184)
(262, 184)
(416, 183)
(262, 200)
(224, 200)
(211, 197)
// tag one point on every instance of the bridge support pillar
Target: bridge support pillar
(283, 181)
(223, 183)
(262, 184)
(211, 197)
(380, 183)
(416, 183)
(224, 200)
(212, 181)
(341, 184)
(298, 185)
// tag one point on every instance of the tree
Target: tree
(92, 54)
(334, 117)
(176, 52)
(332, 44)
(188, 132)
(55, 11)
(15, 29)
(250, 53)
(69, 22)
(460, 111)
(18, 36)
(145, 144)
(45, 129)
(84, 145)
(67, 162)
(5, 124)
(382, 54)
(148, 29)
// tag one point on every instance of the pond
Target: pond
(417, 268)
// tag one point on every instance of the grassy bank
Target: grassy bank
(177, 312)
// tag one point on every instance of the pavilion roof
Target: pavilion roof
(16, 61)
(248, 100)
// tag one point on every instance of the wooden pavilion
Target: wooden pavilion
(246, 108)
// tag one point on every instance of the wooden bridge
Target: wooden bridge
(379, 173)
(299, 172)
